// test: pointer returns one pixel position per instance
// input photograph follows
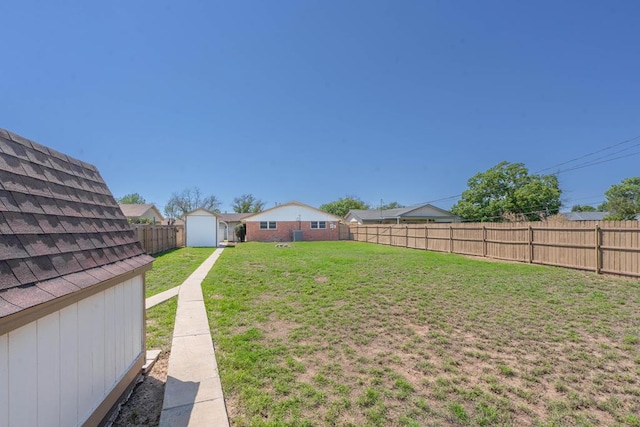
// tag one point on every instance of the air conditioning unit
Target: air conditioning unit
(297, 235)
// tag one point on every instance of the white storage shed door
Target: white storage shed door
(202, 231)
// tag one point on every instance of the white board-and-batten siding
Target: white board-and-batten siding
(55, 371)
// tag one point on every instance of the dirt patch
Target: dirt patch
(145, 403)
(321, 279)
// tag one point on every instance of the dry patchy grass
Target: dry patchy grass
(345, 333)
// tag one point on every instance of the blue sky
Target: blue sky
(313, 100)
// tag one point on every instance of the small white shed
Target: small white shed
(201, 228)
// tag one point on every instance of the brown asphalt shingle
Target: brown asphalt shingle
(61, 229)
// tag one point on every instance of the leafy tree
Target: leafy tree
(247, 203)
(507, 191)
(241, 231)
(132, 199)
(391, 205)
(582, 208)
(623, 200)
(340, 207)
(189, 200)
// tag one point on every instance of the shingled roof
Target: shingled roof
(61, 229)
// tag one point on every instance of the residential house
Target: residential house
(227, 223)
(293, 221)
(409, 215)
(141, 213)
(585, 216)
(72, 333)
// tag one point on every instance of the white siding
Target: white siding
(23, 375)
(48, 368)
(69, 372)
(202, 229)
(4, 380)
(293, 213)
(57, 370)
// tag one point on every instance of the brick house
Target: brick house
(72, 331)
(293, 221)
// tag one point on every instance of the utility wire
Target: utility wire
(593, 162)
(591, 154)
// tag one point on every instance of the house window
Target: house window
(318, 224)
(267, 225)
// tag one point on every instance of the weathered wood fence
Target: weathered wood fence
(158, 238)
(611, 247)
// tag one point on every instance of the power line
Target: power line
(592, 153)
(593, 162)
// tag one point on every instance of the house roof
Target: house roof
(406, 212)
(61, 230)
(586, 216)
(131, 210)
(200, 210)
(291, 203)
(233, 217)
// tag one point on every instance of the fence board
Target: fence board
(601, 246)
(157, 238)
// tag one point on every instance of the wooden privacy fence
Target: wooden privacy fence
(601, 246)
(158, 238)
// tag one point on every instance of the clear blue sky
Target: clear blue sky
(312, 100)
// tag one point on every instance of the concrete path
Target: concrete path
(161, 297)
(193, 393)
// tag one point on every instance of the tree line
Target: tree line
(504, 192)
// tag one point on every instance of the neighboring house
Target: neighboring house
(72, 332)
(227, 225)
(172, 221)
(136, 212)
(585, 216)
(201, 228)
(292, 221)
(410, 215)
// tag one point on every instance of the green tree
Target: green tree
(582, 208)
(623, 200)
(507, 191)
(189, 200)
(340, 207)
(391, 205)
(241, 231)
(132, 199)
(247, 203)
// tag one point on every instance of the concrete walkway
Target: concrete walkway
(161, 297)
(193, 393)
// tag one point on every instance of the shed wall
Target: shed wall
(57, 370)
(201, 230)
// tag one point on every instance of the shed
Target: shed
(201, 228)
(72, 332)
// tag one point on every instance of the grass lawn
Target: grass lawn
(160, 321)
(172, 267)
(347, 333)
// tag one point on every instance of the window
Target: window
(318, 224)
(267, 225)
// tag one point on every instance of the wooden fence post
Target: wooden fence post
(426, 237)
(598, 248)
(406, 236)
(450, 239)
(530, 244)
(377, 234)
(366, 234)
(484, 240)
